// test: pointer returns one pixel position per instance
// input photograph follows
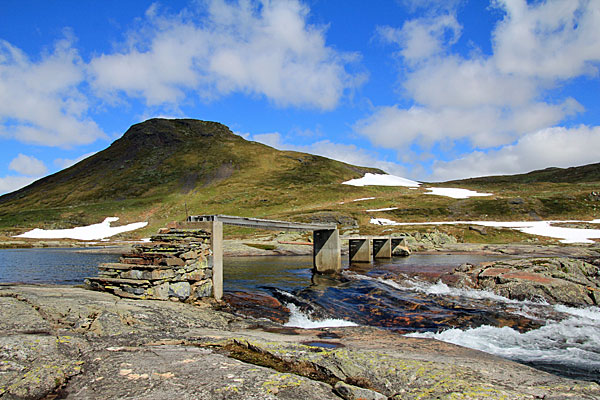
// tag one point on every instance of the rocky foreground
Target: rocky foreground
(73, 343)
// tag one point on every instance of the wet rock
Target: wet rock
(401, 249)
(555, 280)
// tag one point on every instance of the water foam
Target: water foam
(573, 342)
(442, 289)
(299, 319)
(439, 288)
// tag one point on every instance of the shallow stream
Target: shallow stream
(404, 295)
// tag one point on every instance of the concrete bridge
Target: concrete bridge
(327, 255)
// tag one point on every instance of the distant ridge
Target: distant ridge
(584, 173)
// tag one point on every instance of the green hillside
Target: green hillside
(162, 169)
(585, 173)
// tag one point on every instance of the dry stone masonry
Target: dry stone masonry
(175, 265)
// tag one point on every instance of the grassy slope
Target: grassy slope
(161, 167)
(585, 173)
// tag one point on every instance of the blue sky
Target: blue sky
(429, 90)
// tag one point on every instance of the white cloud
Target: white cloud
(485, 126)
(556, 147)
(259, 48)
(422, 38)
(488, 101)
(11, 183)
(40, 101)
(548, 39)
(27, 165)
(64, 163)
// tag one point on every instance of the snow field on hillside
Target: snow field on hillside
(99, 231)
(540, 228)
(392, 180)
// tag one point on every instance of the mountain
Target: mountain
(159, 168)
(162, 170)
(585, 173)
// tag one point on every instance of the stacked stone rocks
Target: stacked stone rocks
(176, 265)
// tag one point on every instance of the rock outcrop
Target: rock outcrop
(417, 241)
(72, 343)
(559, 280)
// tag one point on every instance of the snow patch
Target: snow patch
(381, 180)
(455, 193)
(383, 209)
(386, 221)
(540, 228)
(99, 231)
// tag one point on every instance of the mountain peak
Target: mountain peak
(160, 131)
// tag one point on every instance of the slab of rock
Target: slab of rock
(72, 343)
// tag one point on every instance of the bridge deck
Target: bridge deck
(261, 223)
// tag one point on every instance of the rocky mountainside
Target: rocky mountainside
(163, 166)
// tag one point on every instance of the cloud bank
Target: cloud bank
(507, 99)
(265, 49)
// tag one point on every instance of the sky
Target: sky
(424, 89)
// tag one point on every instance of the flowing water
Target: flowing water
(407, 296)
(404, 295)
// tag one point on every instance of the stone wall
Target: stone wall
(176, 265)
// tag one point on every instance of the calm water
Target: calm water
(403, 295)
(62, 266)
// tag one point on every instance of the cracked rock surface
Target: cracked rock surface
(68, 342)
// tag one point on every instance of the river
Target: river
(403, 295)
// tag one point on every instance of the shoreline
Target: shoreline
(92, 344)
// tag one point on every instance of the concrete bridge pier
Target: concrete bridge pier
(360, 250)
(382, 247)
(327, 255)
(217, 259)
